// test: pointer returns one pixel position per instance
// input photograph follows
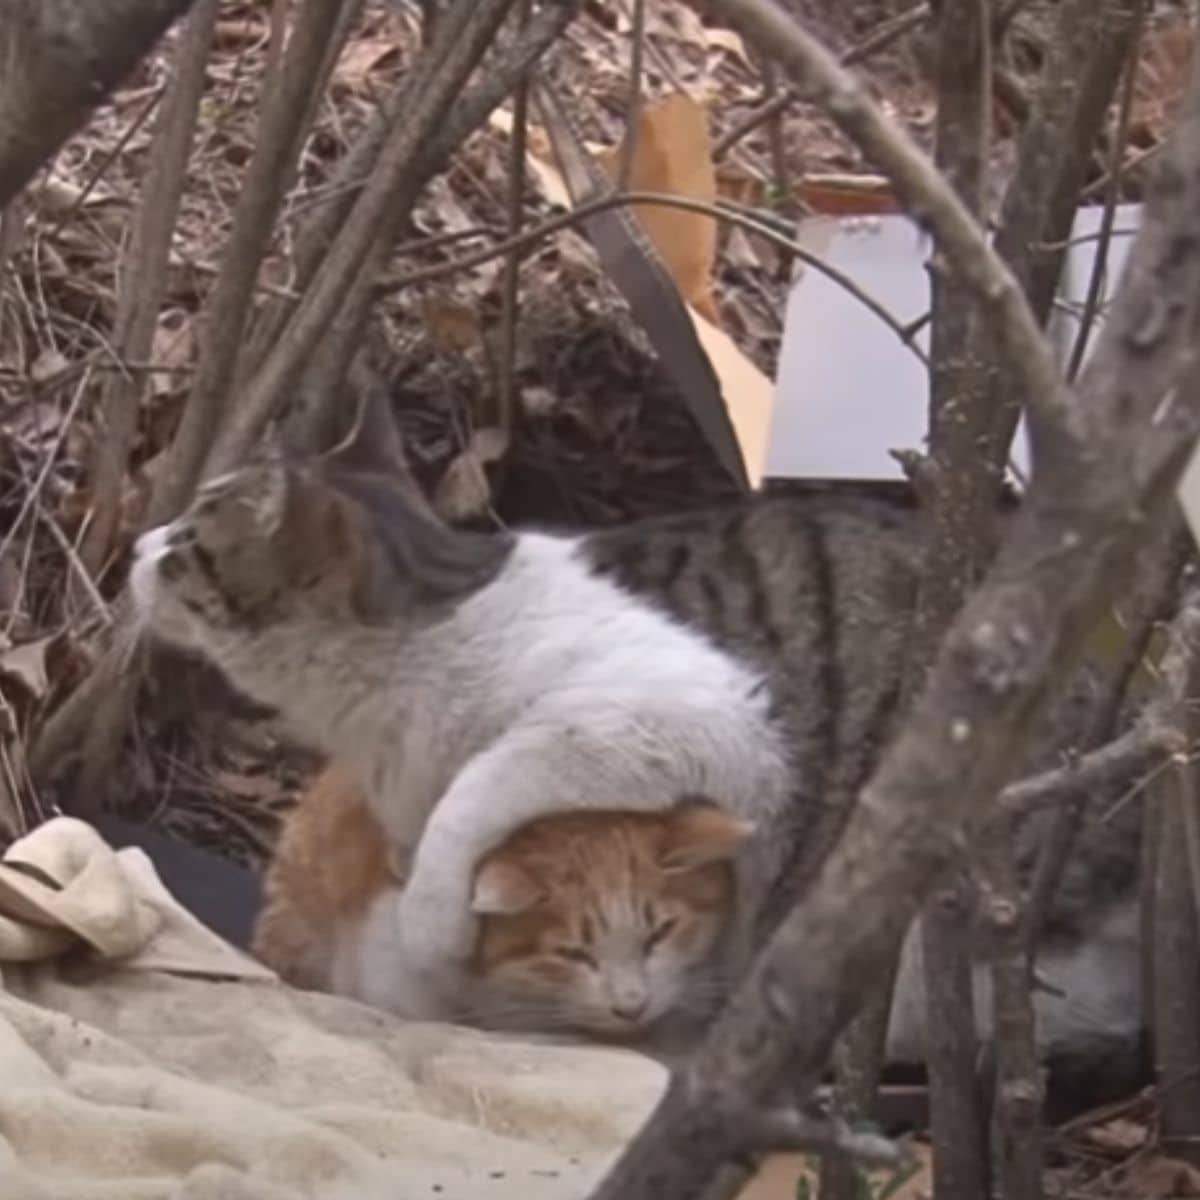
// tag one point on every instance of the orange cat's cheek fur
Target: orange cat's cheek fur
(551, 970)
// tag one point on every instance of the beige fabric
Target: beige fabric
(110, 902)
(121, 1082)
(140, 1086)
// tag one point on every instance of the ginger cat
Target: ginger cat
(601, 922)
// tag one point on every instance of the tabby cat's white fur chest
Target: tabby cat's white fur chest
(547, 645)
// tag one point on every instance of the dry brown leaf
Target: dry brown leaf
(1120, 1135)
(47, 365)
(737, 182)
(27, 665)
(539, 156)
(236, 33)
(740, 251)
(362, 56)
(451, 324)
(464, 491)
(57, 195)
(1152, 1178)
(728, 41)
(673, 153)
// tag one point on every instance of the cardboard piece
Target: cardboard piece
(848, 389)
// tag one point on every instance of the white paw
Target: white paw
(434, 935)
(417, 995)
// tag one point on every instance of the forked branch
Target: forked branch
(1105, 475)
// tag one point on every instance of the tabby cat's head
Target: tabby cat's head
(282, 543)
(599, 921)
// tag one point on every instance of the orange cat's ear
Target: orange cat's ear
(700, 833)
(503, 889)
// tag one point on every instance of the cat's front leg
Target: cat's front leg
(527, 774)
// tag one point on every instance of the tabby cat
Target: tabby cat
(598, 922)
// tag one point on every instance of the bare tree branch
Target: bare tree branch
(371, 222)
(284, 110)
(956, 494)
(820, 80)
(1089, 43)
(1105, 475)
(1151, 601)
(144, 277)
(1175, 915)
(961, 497)
(59, 59)
(326, 368)
(1141, 748)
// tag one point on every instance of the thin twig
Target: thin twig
(143, 279)
(633, 109)
(284, 108)
(887, 33)
(922, 190)
(33, 493)
(106, 161)
(535, 233)
(1181, 677)
(510, 296)
(1097, 485)
(1088, 45)
(1145, 744)
(960, 487)
(1176, 900)
(466, 31)
(1096, 283)
(77, 566)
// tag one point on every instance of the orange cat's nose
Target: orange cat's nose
(629, 1009)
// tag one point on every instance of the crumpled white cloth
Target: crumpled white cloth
(63, 886)
(155, 1062)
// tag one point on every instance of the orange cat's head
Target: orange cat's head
(603, 921)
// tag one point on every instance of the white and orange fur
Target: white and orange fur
(546, 690)
(604, 923)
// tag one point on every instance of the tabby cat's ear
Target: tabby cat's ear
(502, 889)
(699, 833)
(369, 439)
(270, 498)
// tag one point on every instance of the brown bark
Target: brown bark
(955, 487)
(143, 280)
(311, 408)
(1106, 462)
(371, 222)
(1176, 900)
(59, 59)
(960, 488)
(1089, 42)
(284, 110)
